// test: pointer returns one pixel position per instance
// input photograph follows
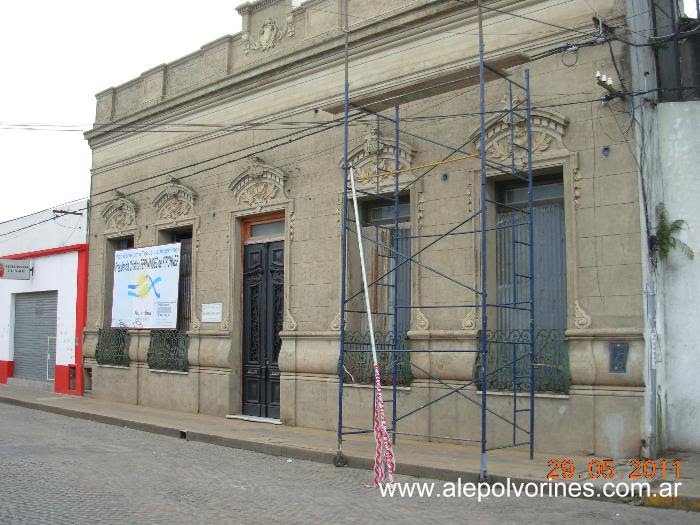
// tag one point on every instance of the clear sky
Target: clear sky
(57, 55)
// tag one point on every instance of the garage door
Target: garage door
(35, 335)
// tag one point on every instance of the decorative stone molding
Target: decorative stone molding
(469, 322)
(269, 35)
(377, 155)
(292, 225)
(419, 210)
(578, 186)
(120, 213)
(175, 200)
(581, 318)
(422, 322)
(291, 28)
(339, 216)
(254, 6)
(138, 240)
(290, 323)
(548, 129)
(99, 320)
(335, 323)
(259, 184)
(470, 199)
(195, 324)
(225, 324)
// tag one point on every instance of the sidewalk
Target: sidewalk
(439, 461)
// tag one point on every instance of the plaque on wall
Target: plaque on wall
(618, 358)
(211, 312)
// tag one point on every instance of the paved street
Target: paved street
(55, 469)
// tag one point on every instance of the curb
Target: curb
(687, 503)
(107, 420)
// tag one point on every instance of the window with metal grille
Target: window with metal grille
(123, 244)
(386, 248)
(112, 342)
(113, 246)
(168, 349)
(512, 286)
(184, 300)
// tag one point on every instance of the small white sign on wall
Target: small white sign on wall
(14, 269)
(211, 312)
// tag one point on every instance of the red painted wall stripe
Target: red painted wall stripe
(80, 316)
(7, 369)
(48, 251)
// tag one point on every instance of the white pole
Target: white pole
(364, 270)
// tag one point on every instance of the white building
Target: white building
(42, 316)
(667, 124)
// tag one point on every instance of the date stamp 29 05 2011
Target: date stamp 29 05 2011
(639, 469)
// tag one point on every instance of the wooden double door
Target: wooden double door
(263, 313)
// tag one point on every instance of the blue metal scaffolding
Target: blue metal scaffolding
(480, 223)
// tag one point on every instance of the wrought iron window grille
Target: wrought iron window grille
(358, 359)
(167, 350)
(112, 347)
(552, 372)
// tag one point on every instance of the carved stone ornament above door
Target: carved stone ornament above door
(120, 213)
(548, 129)
(376, 154)
(175, 200)
(259, 184)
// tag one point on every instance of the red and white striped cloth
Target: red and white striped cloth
(384, 465)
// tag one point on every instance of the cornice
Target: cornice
(314, 52)
(311, 54)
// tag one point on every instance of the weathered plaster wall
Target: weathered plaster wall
(679, 288)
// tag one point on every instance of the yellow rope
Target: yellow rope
(397, 172)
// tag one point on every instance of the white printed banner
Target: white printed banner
(145, 287)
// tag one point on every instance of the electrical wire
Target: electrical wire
(409, 27)
(55, 207)
(257, 152)
(144, 127)
(515, 15)
(356, 117)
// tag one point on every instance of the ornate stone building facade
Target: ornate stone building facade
(237, 149)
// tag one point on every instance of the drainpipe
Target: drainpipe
(652, 350)
(642, 65)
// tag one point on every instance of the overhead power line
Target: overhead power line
(94, 205)
(408, 27)
(356, 117)
(524, 17)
